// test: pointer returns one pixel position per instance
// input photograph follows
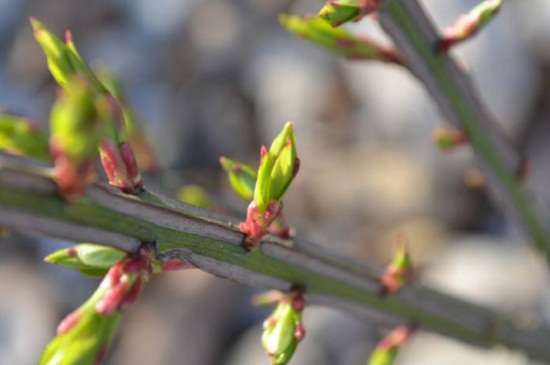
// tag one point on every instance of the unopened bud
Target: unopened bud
(398, 272)
(76, 128)
(387, 350)
(124, 281)
(117, 156)
(278, 167)
(469, 24)
(135, 130)
(283, 330)
(447, 139)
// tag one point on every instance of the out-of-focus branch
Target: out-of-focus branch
(417, 40)
(29, 201)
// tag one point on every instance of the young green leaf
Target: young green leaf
(56, 52)
(90, 259)
(339, 12)
(338, 40)
(241, 177)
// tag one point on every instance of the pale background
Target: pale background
(220, 77)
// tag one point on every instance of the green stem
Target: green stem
(416, 38)
(28, 201)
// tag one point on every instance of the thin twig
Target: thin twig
(416, 38)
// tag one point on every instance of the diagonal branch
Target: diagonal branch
(417, 39)
(28, 201)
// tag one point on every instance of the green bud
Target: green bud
(136, 135)
(338, 40)
(339, 12)
(448, 138)
(285, 356)
(77, 126)
(478, 17)
(19, 136)
(90, 259)
(278, 166)
(241, 177)
(398, 272)
(380, 357)
(117, 156)
(386, 351)
(469, 24)
(283, 330)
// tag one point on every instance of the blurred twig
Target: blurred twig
(416, 38)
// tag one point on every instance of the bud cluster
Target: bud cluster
(67, 66)
(278, 166)
(84, 336)
(77, 125)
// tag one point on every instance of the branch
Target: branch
(417, 39)
(29, 201)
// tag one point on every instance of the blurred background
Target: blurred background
(221, 77)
